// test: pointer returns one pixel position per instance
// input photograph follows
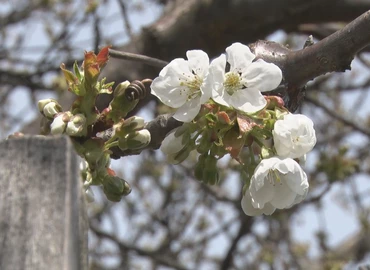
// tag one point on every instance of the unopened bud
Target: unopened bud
(43, 102)
(77, 125)
(211, 176)
(210, 173)
(199, 167)
(133, 123)
(121, 88)
(51, 109)
(126, 126)
(114, 188)
(138, 139)
(59, 123)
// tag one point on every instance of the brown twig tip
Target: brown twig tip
(138, 58)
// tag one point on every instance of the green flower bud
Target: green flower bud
(133, 123)
(138, 139)
(210, 173)
(130, 124)
(77, 125)
(114, 188)
(205, 143)
(121, 88)
(211, 176)
(199, 167)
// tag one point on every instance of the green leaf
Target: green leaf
(77, 71)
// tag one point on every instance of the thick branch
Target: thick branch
(332, 54)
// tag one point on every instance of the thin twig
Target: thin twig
(338, 116)
(138, 58)
(126, 21)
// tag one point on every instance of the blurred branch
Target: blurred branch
(126, 21)
(159, 258)
(338, 116)
(245, 227)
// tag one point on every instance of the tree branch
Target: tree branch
(332, 54)
(137, 58)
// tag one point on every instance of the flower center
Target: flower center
(273, 177)
(192, 84)
(232, 82)
(296, 139)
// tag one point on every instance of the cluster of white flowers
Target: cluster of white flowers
(279, 182)
(187, 84)
(235, 80)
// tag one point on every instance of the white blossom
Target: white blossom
(294, 136)
(241, 86)
(172, 146)
(180, 85)
(276, 183)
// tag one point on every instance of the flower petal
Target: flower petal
(261, 196)
(172, 144)
(262, 170)
(284, 197)
(215, 79)
(246, 100)
(249, 210)
(167, 93)
(167, 87)
(239, 56)
(188, 111)
(293, 175)
(198, 62)
(262, 76)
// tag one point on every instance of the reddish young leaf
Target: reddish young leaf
(103, 57)
(90, 59)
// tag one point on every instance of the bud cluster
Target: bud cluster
(84, 122)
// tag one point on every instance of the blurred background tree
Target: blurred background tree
(170, 220)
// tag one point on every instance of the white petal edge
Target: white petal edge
(239, 56)
(188, 111)
(198, 62)
(262, 76)
(172, 144)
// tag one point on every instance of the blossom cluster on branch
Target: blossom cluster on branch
(224, 112)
